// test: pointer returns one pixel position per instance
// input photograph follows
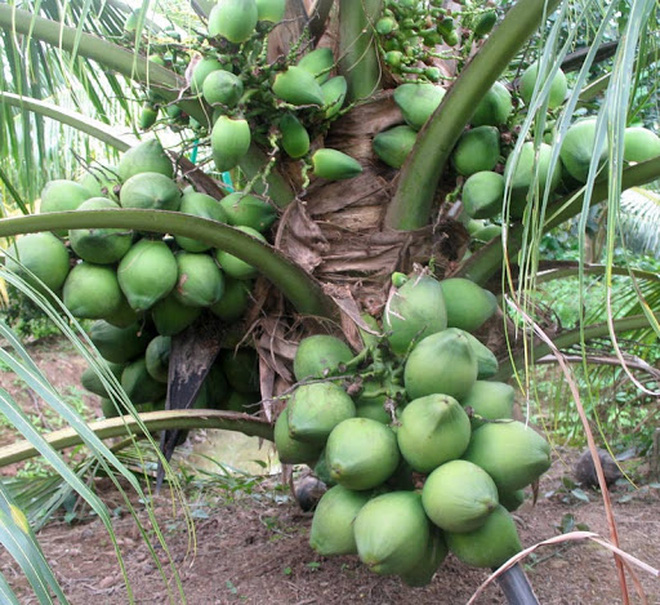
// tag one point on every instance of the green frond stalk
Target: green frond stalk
(577, 336)
(358, 53)
(299, 287)
(89, 126)
(411, 207)
(152, 421)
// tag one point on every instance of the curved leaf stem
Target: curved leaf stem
(304, 292)
(153, 421)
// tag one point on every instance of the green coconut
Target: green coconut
(491, 545)
(148, 156)
(295, 138)
(374, 409)
(441, 363)
(221, 87)
(91, 291)
(199, 204)
(431, 431)
(147, 273)
(244, 209)
(512, 500)
(577, 149)
(315, 409)
(119, 345)
(468, 305)
(320, 355)
(558, 87)
(640, 144)
(392, 532)
(150, 191)
(393, 145)
(200, 282)
(101, 181)
(478, 149)
(318, 62)
(414, 311)
(417, 101)
(490, 400)
(292, 451)
(241, 367)
(361, 453)
(61, 195)
(235, 267)
(422, 573)
(298, 86)
(234, 301)
(487, 364)
(230, 141)
(123, 315)
(139, 385)
(513, 454)
(157, 357)
(494, 108)
(108, 408)
(93, 382)
(41, 254)
(459, 496)
(334, 95)
(483, 194)
(234, 20)
(100, 245)
(332, 526)
(532, 169)
(170, 316)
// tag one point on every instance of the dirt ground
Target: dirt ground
(251, 544)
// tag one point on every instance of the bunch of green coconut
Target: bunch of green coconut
(289, 102)
(484, 165)
(141, 289)
(413, 437)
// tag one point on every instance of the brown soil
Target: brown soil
(251, 545)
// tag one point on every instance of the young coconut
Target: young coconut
(392, 533)
(433, 430)
(332, 525)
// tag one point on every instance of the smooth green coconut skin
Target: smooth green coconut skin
(459, 496)
(392, 532)
(119, 344)
(441, 363)
(316, 409)
(418, 101)
(513, 454)
(100, 245)
(147, 273)
(42, 254)
(332, 526)
(139, 385)
(148, 156)
(292, 451)
(91, 291)
(425, 569)
(490, 545)
(490, 400)
(150, 191)
(200, 282)
(433, 429)
(414, 311)
(320, 355)
(361, 453)
(467, 304)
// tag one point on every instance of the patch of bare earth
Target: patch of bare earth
(252, 548)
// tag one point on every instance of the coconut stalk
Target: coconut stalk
(152, 422)
(304, 292)
(413, 201)
(358, 54)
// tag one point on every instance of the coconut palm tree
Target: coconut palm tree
(335, 245)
